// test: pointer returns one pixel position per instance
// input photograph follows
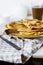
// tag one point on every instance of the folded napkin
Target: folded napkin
(10, 54)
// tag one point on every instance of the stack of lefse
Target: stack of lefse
(26, 27)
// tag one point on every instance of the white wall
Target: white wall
(7, 7)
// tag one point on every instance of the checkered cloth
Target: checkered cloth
(10, 54)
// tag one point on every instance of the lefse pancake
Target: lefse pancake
(26, 27)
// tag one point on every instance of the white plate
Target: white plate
(30, 37)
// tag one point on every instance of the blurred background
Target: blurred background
(18, 8)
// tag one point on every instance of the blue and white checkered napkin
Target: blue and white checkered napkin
(10, 54)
